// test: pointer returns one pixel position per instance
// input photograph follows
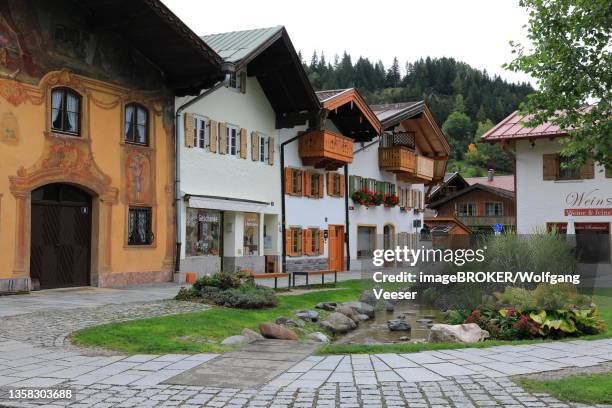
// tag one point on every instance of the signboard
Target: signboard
(588, 212)
(497, 227)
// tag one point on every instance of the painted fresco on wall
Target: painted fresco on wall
(138, 176)
(9, 126)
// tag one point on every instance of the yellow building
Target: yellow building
(87, 140)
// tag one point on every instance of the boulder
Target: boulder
(338, 323)
(361, 317)
(252, 335)
(276, 331)
(318, 336)
(347, 311)
(361, 308)
(388, 306)
(308, 315)
(424, 321)
(285, 321)
(235, 340)
(462, 333)
(398, 325)
(404, 338)
(367, 296)
(329, 306)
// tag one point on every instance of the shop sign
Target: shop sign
(588, 212)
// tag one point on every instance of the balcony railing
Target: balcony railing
(407, 164)
(486, 221)
(325, 149)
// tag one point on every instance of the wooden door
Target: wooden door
(60, 237)
(335, 248)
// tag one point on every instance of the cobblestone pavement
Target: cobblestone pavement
(473, 391)
(34, 354)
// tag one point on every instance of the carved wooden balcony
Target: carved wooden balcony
(407, 164)
(324, 149)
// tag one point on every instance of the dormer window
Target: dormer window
(66, 111)
(136, 124)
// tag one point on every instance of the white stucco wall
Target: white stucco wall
(313, 212)
(365, 164)
(541, 201)
(221, 175)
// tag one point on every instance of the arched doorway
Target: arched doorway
(60, 237)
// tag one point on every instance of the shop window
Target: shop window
(251, 234)
(66, 111)
(366, 241)
(140, 226)
(494, 209)
(136, 124)
(203, 232)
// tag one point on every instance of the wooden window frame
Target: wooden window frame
(315, 241)
(468, 205)
(296, 182)
(296, 241)
(200, 142)
(136, 106)
(314, 184)
(567, 173)
(494, 203)
(228, 150)
(263, 147)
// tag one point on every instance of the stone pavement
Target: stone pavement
(34, 353)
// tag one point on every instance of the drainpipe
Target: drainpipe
(227, 68)
(347, 233)
(283, 218)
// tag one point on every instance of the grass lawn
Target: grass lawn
(588, 389)
(189, 332)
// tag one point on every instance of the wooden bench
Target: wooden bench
(321, 272)
(270, 276)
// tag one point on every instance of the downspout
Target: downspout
(227, 68)
(283, 218)
(347, 233)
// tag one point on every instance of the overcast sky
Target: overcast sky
(473, 31)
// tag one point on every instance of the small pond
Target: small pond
(375, 331)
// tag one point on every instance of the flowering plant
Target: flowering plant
(391, 200)
(378, 198)
(362, 197)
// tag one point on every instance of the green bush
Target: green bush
(221, 280)
(187, 294)
(246, 297)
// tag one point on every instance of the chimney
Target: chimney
(490, 175)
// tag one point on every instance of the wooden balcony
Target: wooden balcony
(324, 149)
(487, 221)
(407, 164)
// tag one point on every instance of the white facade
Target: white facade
(541, 202)
(305, 212)
(230, 184)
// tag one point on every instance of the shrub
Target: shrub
(221, 280)
(187, 294)
(247, 297)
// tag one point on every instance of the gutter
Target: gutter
(227, 68)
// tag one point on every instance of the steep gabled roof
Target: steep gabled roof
(269, 55)
(503, 182)
(350, 113)
(497, 191)
(512, 128)
(448, 178)
(430, 139)
(189, 65)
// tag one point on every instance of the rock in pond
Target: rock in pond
(276, 331)
(252, 335)
(361, 308)
(398, 325)
(308, 315)
(388, 306)
(424, 321)
(462, 333)
(367, 296)
(318, 336)
(347, 311)
(285, 321)
(338, 323)
(329, 306)
(362, 317)
(235, 340)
